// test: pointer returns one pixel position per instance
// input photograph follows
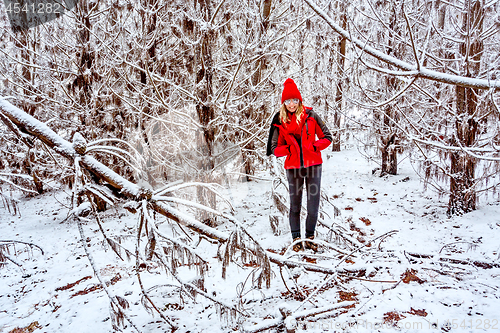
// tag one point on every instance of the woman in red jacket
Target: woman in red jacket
(298, 133)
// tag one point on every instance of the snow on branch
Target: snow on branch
(290, 319)
(28, 124)
(420, 71)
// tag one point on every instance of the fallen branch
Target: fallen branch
(3, 256)
(270, 323)
(475, 263)
(28, 124)
(114, 300)
(71, 285)
(144, 221)
(21, 242)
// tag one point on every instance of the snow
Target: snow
(83, 208)
(457, 296)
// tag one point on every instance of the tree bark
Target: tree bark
(340, 75)
(81, 87)
(205, 109)
(388, 134)
(256, 112)
(462, 192)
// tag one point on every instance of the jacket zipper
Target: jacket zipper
(302, 142)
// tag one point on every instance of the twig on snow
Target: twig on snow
(21, 242)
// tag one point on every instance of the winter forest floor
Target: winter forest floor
(433, 274)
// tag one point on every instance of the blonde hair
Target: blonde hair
(284, 113)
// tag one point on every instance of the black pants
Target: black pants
(296, 178)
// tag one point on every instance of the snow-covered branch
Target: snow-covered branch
(30, 125)
(421, 72)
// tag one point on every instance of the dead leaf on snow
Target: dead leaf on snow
(365, 220)
(416, 312)
(392, 318)
(28, 329)
(410, 275)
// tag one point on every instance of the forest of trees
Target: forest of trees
(164, 92)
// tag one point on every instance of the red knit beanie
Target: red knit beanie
(290, 91)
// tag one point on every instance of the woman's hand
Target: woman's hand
(293, 149)
(283, 150)
(311, 147)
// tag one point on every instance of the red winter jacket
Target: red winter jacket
(314, 137)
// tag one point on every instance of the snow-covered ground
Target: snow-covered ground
(453, 286)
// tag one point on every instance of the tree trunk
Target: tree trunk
(205, 110)
(389, 155)
(149, 18)
(388, 133)
(82, 85)
(22, 42)
(259, 69)
(462, 192)
(340, 74)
